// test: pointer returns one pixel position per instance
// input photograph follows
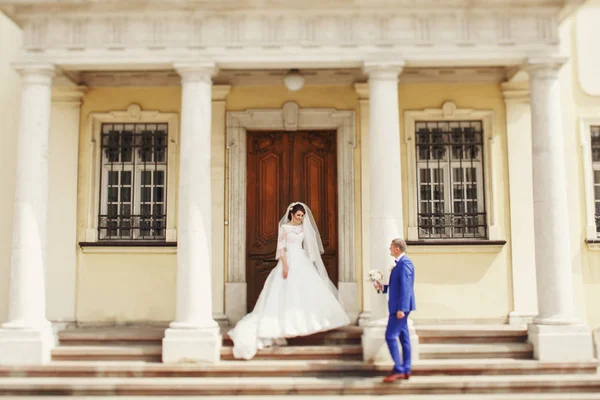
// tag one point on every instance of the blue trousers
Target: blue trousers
(398, 328)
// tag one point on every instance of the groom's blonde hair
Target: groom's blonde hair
(398, 242)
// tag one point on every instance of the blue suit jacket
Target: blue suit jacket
(401, 287)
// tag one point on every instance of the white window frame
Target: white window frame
(133, 114)
(450, 112)
(585, 135)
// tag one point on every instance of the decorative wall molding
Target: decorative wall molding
(134, 113)
(450, 112)
(86, 32)
(268, 29)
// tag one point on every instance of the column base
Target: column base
(349, 299)
(518, 318)
(561, 342)
(191, 345)
(374, 346)
(364, 319)
(26, 346)
(235, 301)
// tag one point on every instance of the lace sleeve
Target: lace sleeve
(281, 240)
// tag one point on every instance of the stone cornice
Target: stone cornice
(24, 6)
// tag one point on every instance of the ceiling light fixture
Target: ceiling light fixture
(293, 80)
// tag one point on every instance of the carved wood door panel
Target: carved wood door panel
(285, 167)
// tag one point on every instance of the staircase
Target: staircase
(466, 362)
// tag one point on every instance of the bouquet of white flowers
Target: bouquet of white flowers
(375, 275)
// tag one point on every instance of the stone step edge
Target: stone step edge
(299, 366)
(426, 348)
(299, 385)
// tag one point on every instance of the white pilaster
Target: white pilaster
(556, 333)
(194, 335)
(518, 131)
(385, 197)
(62, 202)
(217, 170)
(362, 89)
(27, 337)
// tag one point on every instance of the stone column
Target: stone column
(556, 333)
(194, 335)
(27, 337)
(518, 132)
(385, 198)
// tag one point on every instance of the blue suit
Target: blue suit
(401, 298)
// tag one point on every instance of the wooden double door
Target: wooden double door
(284, 167)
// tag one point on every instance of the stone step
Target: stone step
(289, 368)
(154, 353)
(436, 334)
(124, 352)
(128, 352)
(465, 351)
(136, 336)
(472, 334)
(504, 396)
(268, 386)
(334, 352)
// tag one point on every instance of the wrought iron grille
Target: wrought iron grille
(133, 182)
(450, 194)
(595, 142)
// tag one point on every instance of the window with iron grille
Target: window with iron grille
(133, 181)
(450, 187)
(595, 143)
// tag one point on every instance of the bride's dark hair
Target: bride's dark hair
(294, 209)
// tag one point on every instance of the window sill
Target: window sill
(439, 246)
(593, 244)
(128, 247)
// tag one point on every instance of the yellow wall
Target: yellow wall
(579, 102)
(126, 287)
(462, 282)
(339, 97)
(121, 287)
(10, 42)
(118, 286)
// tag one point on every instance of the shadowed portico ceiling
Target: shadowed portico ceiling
(249, 34)
(275, 77)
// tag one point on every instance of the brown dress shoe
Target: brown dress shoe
(393, 377)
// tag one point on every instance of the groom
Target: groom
(401, 301)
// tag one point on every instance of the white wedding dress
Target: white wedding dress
(300, 305)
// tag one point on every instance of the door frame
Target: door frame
(289, 118)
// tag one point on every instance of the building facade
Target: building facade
(150, 149)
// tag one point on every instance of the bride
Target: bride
(298, 298)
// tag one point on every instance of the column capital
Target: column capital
(40, 73)
(362, 89)
(516, 92)
(383, 70)
(196, 72)
(547, 67)
(220, 92)
(68, 96)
